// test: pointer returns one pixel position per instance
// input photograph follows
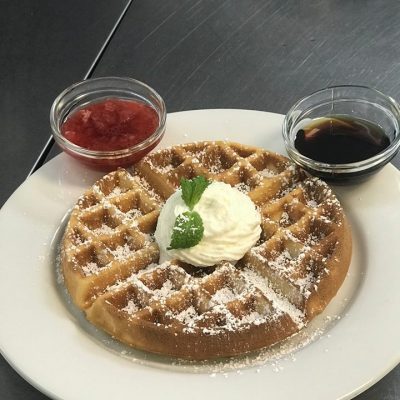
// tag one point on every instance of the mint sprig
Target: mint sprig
(192, 189)
(188, 229)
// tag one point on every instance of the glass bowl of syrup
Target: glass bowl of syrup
(108, 122)
(343, 134)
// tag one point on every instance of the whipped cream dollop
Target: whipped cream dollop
(231, 226)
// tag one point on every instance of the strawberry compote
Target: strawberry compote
(111, 124)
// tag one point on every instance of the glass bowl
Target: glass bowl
(91, 91)
(348, 103)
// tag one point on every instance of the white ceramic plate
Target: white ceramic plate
(52, 347)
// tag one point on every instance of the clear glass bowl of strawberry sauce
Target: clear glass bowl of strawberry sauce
(108, 122)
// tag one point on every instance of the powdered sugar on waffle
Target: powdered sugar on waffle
(131, 307)
(103, 230)
(285, 265)
(223, 296)
(122, 253)
(91, 268)
(280, 303)
(267, 173)
(242, 298)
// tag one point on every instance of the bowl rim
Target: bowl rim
(382, 157)
(108, 154)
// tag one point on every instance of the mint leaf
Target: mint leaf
(187, 231)
(192, 189)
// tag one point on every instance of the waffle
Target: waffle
(111, 266)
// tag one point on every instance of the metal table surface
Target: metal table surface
(197, 54)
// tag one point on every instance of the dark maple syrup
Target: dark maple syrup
(341, 139)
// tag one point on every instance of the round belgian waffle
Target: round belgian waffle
(111, 264)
